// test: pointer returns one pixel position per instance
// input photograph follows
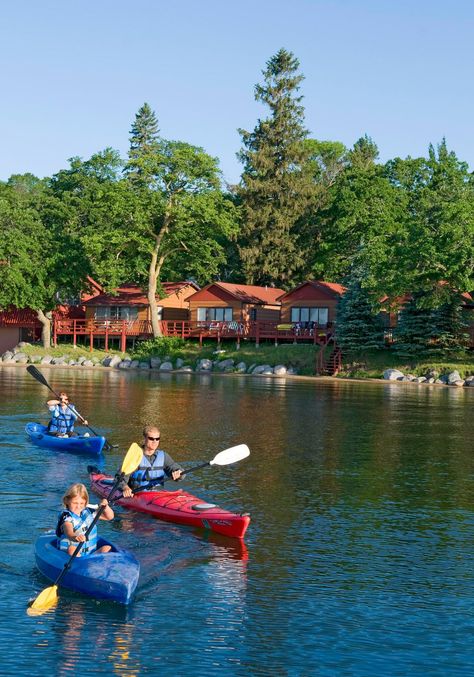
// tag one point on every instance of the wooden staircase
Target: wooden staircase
(329, 360)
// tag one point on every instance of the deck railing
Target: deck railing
(124, 329)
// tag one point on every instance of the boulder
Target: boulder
(134, 364)
(459, 383)
(263, 369)
(420, 379)
(47, 359)
(87, 363)
(19, 356)
(186, 368)
(144, 365)
(155, 362)
(469, 384)
(292, 371)
(115, 361)
(223, 365)
(166, 366)
(124, 364)
(251, 368)
(204, 365)
(179, 363)
(241, 368)
(392, 374)
(34, 359)
(280, 370)
(453, 376)
(7, 355)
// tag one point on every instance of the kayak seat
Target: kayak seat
(204, 506)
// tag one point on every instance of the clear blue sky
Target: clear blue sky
(75, 72)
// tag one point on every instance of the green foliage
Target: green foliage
(358, 326)
(162, 346)
(424, 329)
(277, 186)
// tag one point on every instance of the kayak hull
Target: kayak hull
(178, 507)
(110, 576)
(38, 434)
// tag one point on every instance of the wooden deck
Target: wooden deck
(218, 331)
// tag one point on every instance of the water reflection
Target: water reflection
(360, 542)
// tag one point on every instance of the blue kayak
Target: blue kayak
(112, 575)
(38, 434)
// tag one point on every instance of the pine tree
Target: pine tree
(276, 184)
(358, 326)
(144, 148)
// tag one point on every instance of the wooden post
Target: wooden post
(257, 334)
(91, 337)
(74, 337)
(123, 339)
(55, 332)
(106, 336)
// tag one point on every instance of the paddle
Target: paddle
(41, 379)
(48, 596)
(226, 457)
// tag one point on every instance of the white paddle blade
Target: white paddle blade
(231, 455)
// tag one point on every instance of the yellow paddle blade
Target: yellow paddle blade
(45, 600)
(132, 459)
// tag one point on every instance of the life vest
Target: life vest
(148, 473)
(62, 422)
(80, 524)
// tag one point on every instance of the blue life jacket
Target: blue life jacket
(80, 524)
(62, 422)
(148, 473)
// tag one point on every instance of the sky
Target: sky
(73, 74)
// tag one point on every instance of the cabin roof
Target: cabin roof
(133, 295)
(246, 293)
(331, 288)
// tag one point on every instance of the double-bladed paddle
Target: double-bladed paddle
(49, 596)
(31, 369)
(226, 457)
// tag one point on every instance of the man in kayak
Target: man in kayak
(155, 464)
(63, 417)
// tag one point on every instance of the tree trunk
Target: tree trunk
(152, 284)
(153, 273)
(45, 319)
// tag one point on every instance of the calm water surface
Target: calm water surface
(358, 559)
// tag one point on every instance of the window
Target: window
(214, 314)
(318, 315)
(116, 313)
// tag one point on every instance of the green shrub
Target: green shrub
(163, 346)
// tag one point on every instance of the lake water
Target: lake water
(358, 559)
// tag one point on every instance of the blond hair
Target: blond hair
(149, 429)
(73, 491)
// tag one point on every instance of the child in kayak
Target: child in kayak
(63, 417)
(74, 521)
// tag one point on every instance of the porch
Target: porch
(121, 331)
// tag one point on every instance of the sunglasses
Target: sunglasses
(153, 439)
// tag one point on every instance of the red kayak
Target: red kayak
(178, 507)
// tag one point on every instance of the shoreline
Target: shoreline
(293, 377)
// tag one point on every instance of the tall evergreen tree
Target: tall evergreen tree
(276, 185)
(359, 326)
(143, 154)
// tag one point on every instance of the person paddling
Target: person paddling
(154, 465)
(63, 416)
(75, 518)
